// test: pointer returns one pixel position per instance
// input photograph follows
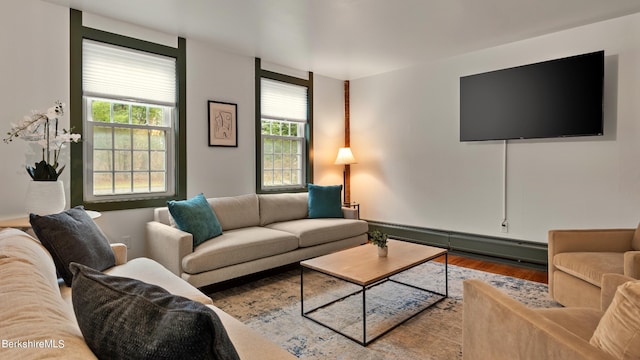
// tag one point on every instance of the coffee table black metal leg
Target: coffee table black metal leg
(446, 274)
(364, 316)
(302, 290)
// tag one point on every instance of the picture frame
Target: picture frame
(223, 124)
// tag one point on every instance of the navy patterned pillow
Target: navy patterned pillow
(72, 236)
(123, 318)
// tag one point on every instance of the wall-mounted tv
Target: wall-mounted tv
(555, 98)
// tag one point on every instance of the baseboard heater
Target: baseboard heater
(520, 251)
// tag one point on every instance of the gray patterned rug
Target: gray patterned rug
(271, 306)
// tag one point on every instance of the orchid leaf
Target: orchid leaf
(43, 172)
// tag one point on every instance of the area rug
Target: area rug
(271, 306)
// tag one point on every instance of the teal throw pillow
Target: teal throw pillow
(324, 201)
(196, 217)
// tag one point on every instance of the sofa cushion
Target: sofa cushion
(237, 211)
(312, 232)
(31, 306)
(196, 217)
(635, 243)
(72, 236)
(127, 318)
(590, 266)
(17, 244)
(618, 332)
(282, 207)
(238, 246)
(324, 201)
(151, 272)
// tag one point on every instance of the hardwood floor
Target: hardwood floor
(497, 268)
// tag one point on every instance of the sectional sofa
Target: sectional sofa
(37, 319)
(259, 232)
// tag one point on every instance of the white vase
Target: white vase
(45, 197)
(383, 251)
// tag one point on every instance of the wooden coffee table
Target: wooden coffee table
(362, 266)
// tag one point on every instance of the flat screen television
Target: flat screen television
(554, 98)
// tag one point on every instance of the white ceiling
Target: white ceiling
(349, 39)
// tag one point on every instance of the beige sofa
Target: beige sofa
(497, 327)
(37, 320)
(578, 259)
(260, 232)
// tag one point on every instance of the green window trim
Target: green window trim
(78, 32)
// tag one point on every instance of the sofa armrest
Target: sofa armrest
(495, 326)
(350, 213)
(120, 253)
(610, 283)
(632, 264)
(168, 245)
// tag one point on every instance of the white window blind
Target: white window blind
(283, 101)
(117, 72)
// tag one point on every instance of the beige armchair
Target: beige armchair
(497, 327)
(578, 259)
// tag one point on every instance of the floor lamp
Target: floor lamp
(345, 157)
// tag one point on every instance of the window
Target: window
(284, 132)
(129, 143)
(132, 120)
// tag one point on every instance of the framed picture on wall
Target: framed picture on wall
(223, 122)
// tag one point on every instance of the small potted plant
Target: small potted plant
(379, 239)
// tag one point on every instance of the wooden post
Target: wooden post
(347, 143)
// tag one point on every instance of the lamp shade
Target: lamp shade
(345, 157)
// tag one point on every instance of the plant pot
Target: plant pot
(45, 197)
(383, 251)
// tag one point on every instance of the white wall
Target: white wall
(328, 129)
(35, 72)
(413, 170)
(219, 76)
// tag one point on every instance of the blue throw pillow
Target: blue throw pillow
(196, 217)
(325, 202)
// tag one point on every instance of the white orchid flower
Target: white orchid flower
(42, 128)
(56, 111)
